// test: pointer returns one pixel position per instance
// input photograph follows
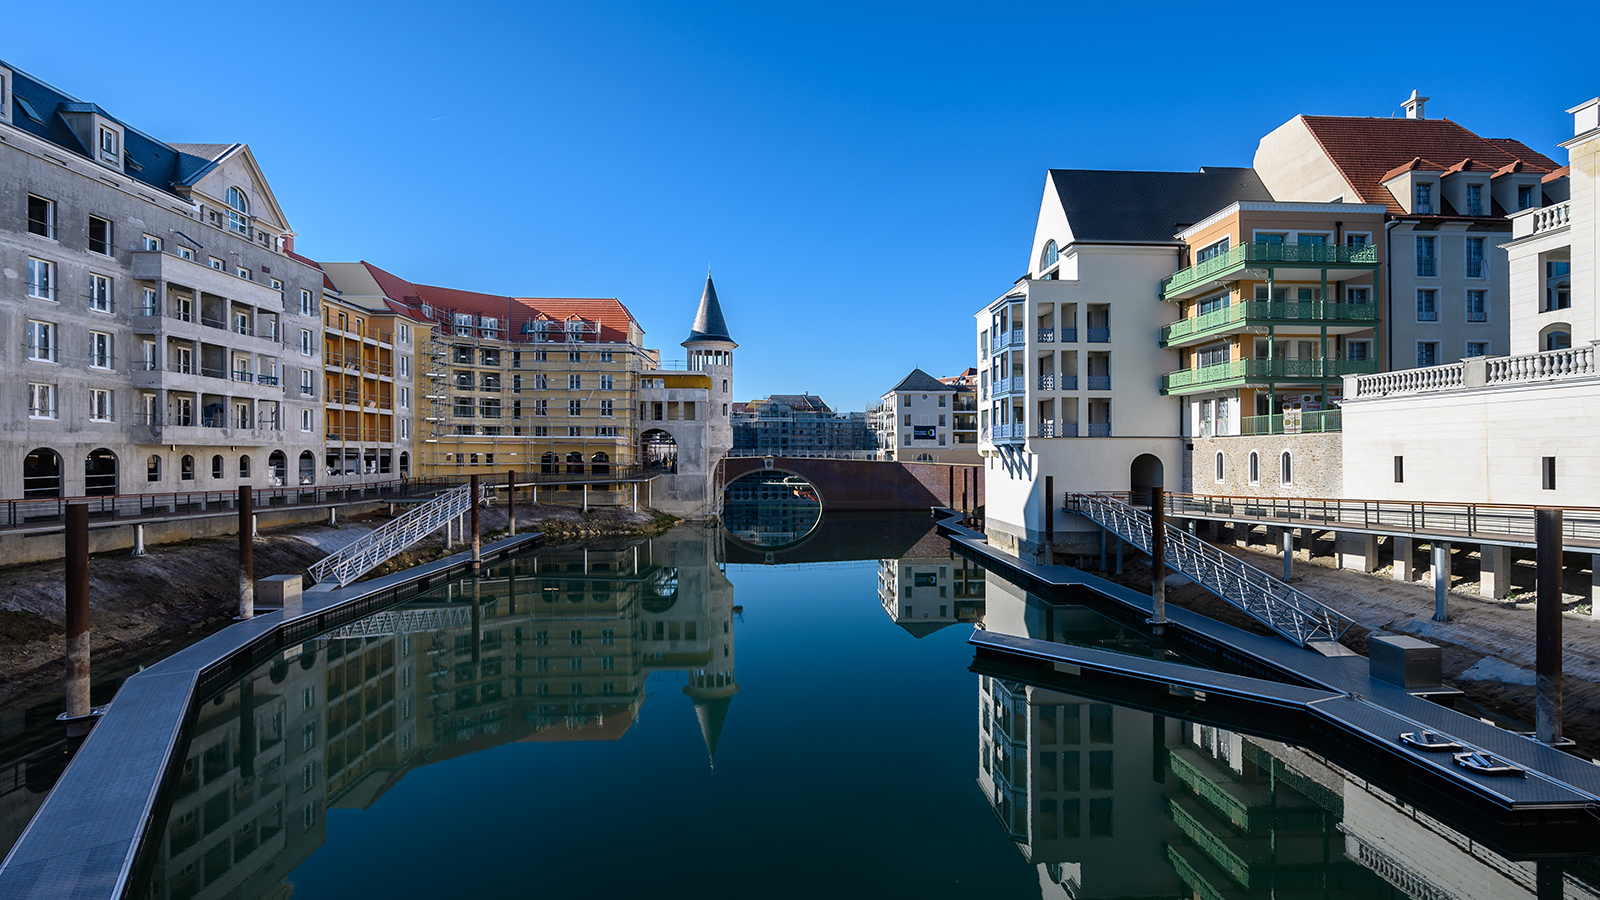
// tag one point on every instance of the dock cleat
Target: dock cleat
(1486, 764)
(1431, 741)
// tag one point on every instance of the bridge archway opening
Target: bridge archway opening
(1145, 473)
(770, 508)
(659, 450)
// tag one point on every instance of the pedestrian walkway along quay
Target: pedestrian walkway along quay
(82, 843)
(1329, 703)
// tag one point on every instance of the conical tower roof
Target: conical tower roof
(712, 713)
(709, 325)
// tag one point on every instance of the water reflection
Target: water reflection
(1109, 801)
(552, 647)
(930, 588)
(770, 508)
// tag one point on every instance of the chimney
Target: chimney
(1414, 105)
(288, 242)
(1585, 117)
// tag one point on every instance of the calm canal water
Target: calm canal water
(689, 716)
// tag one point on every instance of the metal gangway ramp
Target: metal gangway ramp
(375, 547)
(1286, 610)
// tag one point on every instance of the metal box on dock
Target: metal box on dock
(1404, 661)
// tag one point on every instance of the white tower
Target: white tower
(711, 351)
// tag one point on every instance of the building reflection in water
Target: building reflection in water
(1115, 802)
(555, 646)
(929, 588)
(770, 508)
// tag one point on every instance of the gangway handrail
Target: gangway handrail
(373, 548)
(1286, 610)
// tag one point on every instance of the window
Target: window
(306, 389)
(1357, 240)
(100, 355)
(1214, 250)
(244, 273)
(1424, 204)
(99, 236)
(305, 343)
(1525, 196)
(1049, 256)
(238, 211)
(1475, 257)
(100, 293)
(41, 341)
(185, 253)
(41, 279)
(1220, 465)
(1358, 350)
(1427, 305)
(404, 331)
(1477, 306)
(1399, 470)
(1285, 472)
(606, 408)
(574, 382)
(1548, 470)
(186, 468)
(405, 367)
(1358, 295)
(540, 382)
(1427, 353)
(99, 405)
(307, 308)
(605, 382)
(216, 466)
(574, 407)
(215, 263)
(405, 398)
(605, 356)
(42, 401)
(152, 468)
(541, 407)
(41, 217)
(147, 302)
(1475, 200)
(1427, 256)
(574, 356)
(277, 286)
(108, 146)
(405, 428)
(1255, 467)
(305, 420)
(1477, 348)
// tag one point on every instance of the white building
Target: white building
(916, 421)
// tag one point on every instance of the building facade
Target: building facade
(917, 421)
(798, 425)
(155, 313)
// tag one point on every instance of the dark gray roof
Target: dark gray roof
(708, 322)
(919, 629)
(1148, 207)
(919, 380)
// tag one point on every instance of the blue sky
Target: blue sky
(860, 177)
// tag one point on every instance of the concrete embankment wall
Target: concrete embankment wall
(868, 485)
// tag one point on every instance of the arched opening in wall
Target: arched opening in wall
(405, 463)
(217, 466)
(659, 450)
(574, 463)
(308, 467)
(549, 464)
(1557, 336)
(924, 457)
(661, 590)
(41, 475)
(1143, 474)
(277, 468)
(186, 468)
(600, 464)
(1255, 467)
(1221, 466)
(244, 465)
(100, 473)
(152, 468)
(1286, 468)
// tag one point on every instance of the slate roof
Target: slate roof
(1117, 207)
(920, 381)
(1367, 150)
(919, 629)
(709, 325)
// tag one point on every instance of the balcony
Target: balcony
(1540, 220)
(158, 265)
(1099, 382)
(1057, 429)
(1047, 382)
(1099, 429)
(1239, 316)
(1099, 335)
(1314, 421)
(1009, 433)
(1068, 335)
(1248, 371)
(1047, 335)
(1284, 257)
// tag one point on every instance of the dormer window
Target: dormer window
(238, 211)
(1050, 255)
(110, 146)
(1424, 199)
(1474, 199)
(1525, 196)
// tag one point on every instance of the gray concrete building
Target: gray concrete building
(798, 425)
(159, 326)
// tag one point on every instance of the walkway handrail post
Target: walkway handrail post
(247, 584)
(1547, 625)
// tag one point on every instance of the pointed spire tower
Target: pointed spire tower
(711, 349)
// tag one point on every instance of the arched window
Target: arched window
(574, 463)
(1255, 467)
(238, 211)
(244, 466)
(549, 464)
(308, 467)
(405, 463)
(100, 473)
(152, 468)
(216, 466)
(1285, 468)
(600, 464)
(924, 457)
(1049, 256)
(41, 475)
(1556, 337)
(1220, 467)
(277, 468)
(186, 468)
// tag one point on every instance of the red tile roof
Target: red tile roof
(1558, 174)
(1367, 151)
(612, 316)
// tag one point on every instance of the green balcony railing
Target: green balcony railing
(1314, 311)
(1267, 370)
(1285, 254)
(1311, 422)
